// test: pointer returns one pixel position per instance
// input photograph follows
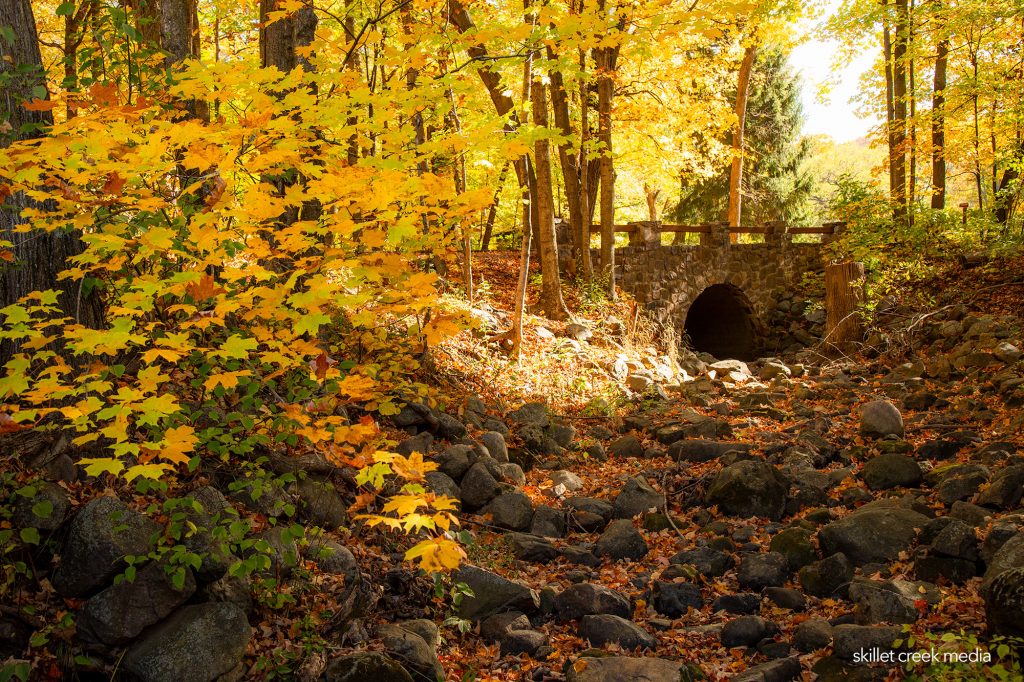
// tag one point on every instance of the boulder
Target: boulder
(757, 571)
(414, 653)
(876, 535)
(747, 631)
(698, 450)
(602, 629)
(44, 509)
(1004, 603)
(100, 535)
(620, 668)
(587, 599)
(779, 670)
(828, 577)
(636, 497)
(749, 488)
(511, 509)
(812, 635)
(200, 643)
(363, 666)
(880, 418)
(443, 484)
(548, 522)
(744, 603)
(786, 598)
(478, 487)
(626, 446)
(890, 471)
(568, 481)
(320, 503)
(493, 594)
(889, 601)
(710, 563)
(621, 540)
(1005, 489)
(532, 548)
(795, 544)
(516, 642)
(495, 444)
(492, 629)
(675, 599)
(848, 640)
(119, 613)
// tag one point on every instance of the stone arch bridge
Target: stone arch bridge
(720, 294)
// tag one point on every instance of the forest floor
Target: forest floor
(727, 573)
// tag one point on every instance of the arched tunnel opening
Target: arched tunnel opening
(721, 322)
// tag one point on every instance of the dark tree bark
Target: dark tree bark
(38, 256)
(939, 125)
(279, 40)
(551, 287)
(898, 134)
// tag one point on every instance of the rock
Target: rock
(494, 628)
(963, 483)
(890, 601)
(812, 635)
(675, 599)
(229, 589)
(100, 535)
(1010, 555)
(200, 642)
(602, 629)
(320, 503)
(569, 481)
(891, 470)
(957, 540)
(420, 443)
(710, 563)
(562, 434)
(510, 472)
(1005, 489)
(779, 670)
(532, 548)
(1007, 353)
(119, 613)
(454, 461)
(493, 594)
(795, 544)
(639, 382)
(747, 631)
(626, 446)
(515, 642)
(1004, 603)
(548, 522)
(757, 571)
(281, 548)
(580, 554)
(703, 450)
(478, 487)
(621, 668)
(879, 419)
(586, 599)
(531, 414)
(872, 535)
(495, 444)
(332, 557)
(577, 331)
(828, 577)
(749, 488)
(848, 640)
(971, 514)
(621, 540)
(450, 428)
(413, 652)
(636, 497)
(363, 666)
(786, 598)
(772, 369)
(442, 484)
(742, 603)
(44, 510)
(416, 415)
(511, 509)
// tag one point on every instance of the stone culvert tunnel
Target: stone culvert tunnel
(718, 293)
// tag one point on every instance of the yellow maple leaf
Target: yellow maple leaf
(437, 554)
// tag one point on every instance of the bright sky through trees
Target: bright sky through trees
(814, 60)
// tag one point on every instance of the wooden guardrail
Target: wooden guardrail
(627, 228)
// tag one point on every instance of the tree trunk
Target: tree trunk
(519, 310)
(605, 92)
(551, 286)
(844, 291)
(898, 169)
(583, 165)
(279, 40)
(736, 171)
(38, 256)
(939, 126)
(492, 212)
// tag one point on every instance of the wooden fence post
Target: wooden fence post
(844, 292)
